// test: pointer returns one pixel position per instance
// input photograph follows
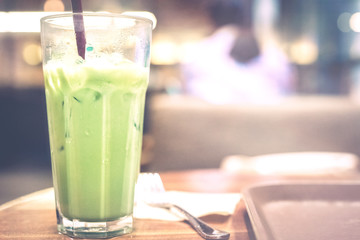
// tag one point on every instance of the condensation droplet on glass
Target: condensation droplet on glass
(87, 132)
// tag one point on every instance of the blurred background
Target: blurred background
(227, 77)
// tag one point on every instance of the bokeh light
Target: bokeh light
(304, 52)
(32, 54)
(164, 52)
(53, 6)
(355, 22)
(343, 22)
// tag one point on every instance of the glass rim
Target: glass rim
(96, 14)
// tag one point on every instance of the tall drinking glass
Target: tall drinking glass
(95, 109)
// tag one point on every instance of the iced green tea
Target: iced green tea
(95, 112)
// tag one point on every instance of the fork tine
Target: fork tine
(151, 181)
(147, 184)
(159, 186)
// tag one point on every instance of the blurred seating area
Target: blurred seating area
(24, 146)
(23, 125)
(191, 133)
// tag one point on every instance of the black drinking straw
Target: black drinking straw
(79, 27)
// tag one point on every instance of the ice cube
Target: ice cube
(86, 95)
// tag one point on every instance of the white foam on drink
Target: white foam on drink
(76, 71)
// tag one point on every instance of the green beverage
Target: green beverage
(95, 117)
(95, 110)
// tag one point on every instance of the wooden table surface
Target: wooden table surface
(31, 217)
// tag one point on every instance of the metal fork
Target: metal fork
(150, 189)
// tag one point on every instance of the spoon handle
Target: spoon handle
(204, 230)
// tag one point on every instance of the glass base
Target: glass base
(79, 229)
